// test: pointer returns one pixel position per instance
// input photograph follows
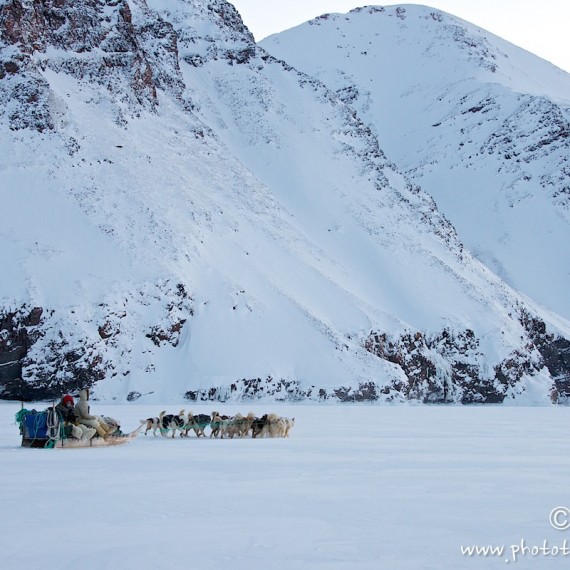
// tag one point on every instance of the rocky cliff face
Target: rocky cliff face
(447, 367)
(124, 47)
(193, 218)
(45, 353)
(210, 31)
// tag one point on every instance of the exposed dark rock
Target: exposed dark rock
(554, 350)
(133, 396)
(445, 367)
(99, 42)
(42, 359)
(292, 391)
(169, 332)
(18, 332)
(253, 389)
(105, 331)
(537, 127)
(57, 369)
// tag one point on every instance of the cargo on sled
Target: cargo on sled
(49, 429)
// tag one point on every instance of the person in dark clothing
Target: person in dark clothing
(66, 411)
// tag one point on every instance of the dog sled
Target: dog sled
(46, 430)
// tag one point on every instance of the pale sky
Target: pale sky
(539, 26)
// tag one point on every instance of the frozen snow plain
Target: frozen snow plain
(355, 486)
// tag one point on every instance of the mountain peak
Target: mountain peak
(479, 123)
(192, 217)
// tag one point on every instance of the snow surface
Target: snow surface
(398, 487)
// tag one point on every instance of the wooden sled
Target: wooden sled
(44, 430)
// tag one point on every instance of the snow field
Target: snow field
(353, 487)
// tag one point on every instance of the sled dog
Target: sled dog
(151, 424)
(171, 422)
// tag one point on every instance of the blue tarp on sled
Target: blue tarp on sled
(35, 426)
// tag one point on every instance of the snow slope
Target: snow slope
(482, 125)
(190, 217)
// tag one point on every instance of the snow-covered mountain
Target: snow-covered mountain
(187, 216)
(480, 124)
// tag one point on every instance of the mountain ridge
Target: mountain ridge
(481, 125)
(222, 226)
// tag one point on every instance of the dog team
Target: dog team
(222, 426)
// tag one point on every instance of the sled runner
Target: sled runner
(46, 430)
(99, 441)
